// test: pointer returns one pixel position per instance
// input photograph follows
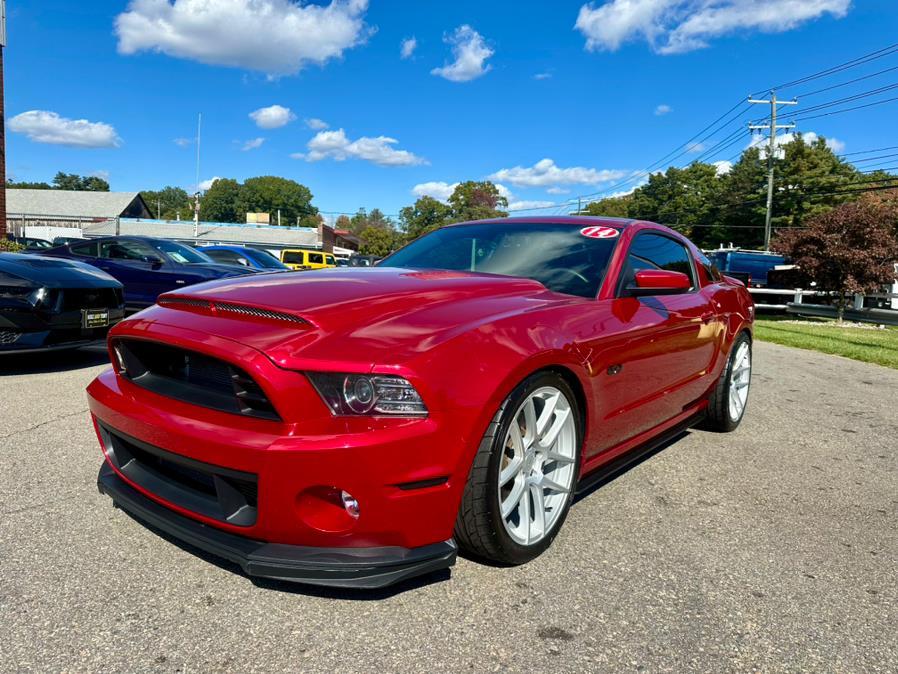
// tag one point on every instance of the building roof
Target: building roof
(208, 232)
(68, 203)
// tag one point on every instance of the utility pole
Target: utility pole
(771, 151)
(196, 195)
(2, 125)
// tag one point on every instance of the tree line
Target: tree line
(64, 181)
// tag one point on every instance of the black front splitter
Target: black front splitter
(363, 568)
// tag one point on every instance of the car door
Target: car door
(136, 264)
(657, 349)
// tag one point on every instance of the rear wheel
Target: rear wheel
(522, 481)
(726, 406)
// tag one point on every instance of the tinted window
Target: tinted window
(124, 249)
(556, 255)
(330, 259)
(293, 257)
(86, 249)
(316, 258)
(712, 271)
(224, 256)
(656, 251)
(182, 254)
(264, 259)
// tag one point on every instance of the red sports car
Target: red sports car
(353, 427)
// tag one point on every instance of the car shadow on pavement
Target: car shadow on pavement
(350, 594)
(53, 361)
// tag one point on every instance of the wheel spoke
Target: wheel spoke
(548, 438)
(511, 470)
(739, 385)
(551, 485)
(546, 415)
(539, 509)
(524, 514)
(529, 423)
(560, 459)
(514, 498)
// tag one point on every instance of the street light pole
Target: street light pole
(2, 125)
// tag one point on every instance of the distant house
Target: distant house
(70, 208)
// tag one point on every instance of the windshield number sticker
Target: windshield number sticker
(597, 232)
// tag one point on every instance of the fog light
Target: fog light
(351, 505)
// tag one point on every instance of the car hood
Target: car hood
(364, 316)
(54, 272)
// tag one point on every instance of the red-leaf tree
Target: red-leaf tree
(851, 249)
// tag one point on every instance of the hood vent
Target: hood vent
(176, 302)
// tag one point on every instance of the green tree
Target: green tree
(343, 222)
(221, 202)
(72, 181)
(269, 194)
(24, 185)
(169, 202)
(611, 207)
(426, 215)
(472, 200)
(378, 241)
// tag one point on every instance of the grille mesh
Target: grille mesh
(9, 337)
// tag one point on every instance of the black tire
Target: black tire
(479, 528)
(718, 417)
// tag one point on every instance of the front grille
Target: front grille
(193, 377)
(9, 337)
(220, 493)
(229, 307)
(74, 299)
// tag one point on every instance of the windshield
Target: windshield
(556, 255)
(182, 254)
(264, 259)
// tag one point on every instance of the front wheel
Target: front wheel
(726, 405)
(522, 481)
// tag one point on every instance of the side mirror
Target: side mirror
(659, 282)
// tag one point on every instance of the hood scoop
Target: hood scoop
(212, 307)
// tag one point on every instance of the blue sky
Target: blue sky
(491, 89)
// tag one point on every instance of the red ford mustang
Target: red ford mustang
(353, 427)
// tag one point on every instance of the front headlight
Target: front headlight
(359, 394)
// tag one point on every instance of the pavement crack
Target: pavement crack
(43, 423)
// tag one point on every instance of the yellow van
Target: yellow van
(300, 258)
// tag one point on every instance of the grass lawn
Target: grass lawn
(819, 334)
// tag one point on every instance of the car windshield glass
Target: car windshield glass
(182, 254)
(264, 259)
(556, 255)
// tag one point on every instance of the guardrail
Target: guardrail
(856, 312)
(797, 296)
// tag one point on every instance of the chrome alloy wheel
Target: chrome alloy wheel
(536, 471)
(740, 379)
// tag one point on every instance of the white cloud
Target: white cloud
(277, 37)
(101, 174)
(723, 167)
(183, 142)
(558, 190)
(436, 188)
(528, 205)
(808, 137)
(676, 26)
(316, 124)
(663, 109)
(695, 147)
(407, 48)
(206, 184)
(272, 117)
(545, 173)
(470, 52)
(542, 76)
(43, 126)
(378, 150)
(253, 144)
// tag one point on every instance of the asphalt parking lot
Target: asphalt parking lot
(771, 549)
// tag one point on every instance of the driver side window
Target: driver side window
(655, 251)
(127, 250)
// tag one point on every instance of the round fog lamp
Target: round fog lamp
(351, 505)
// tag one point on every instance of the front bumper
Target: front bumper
(363, 568)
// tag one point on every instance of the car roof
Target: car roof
(573, 220)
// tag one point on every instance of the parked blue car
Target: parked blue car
(244, 256)
(146, 267)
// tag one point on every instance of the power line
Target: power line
(845, 84)
(839, 112)
(860, 60)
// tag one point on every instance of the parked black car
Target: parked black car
(29, 242)
(48, 303)
(147, 267)
(364, 260)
